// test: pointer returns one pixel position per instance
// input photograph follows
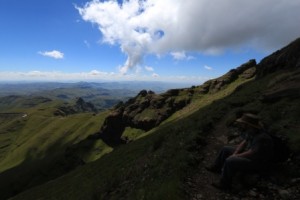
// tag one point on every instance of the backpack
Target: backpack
(281, 149)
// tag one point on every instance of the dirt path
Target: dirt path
(200, 184)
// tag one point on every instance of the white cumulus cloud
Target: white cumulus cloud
(149, 69)
(181, 55)
(142, 27)
(208, 67)
(52, 54)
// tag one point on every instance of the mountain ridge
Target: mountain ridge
(147, 110)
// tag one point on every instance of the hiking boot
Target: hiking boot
(221, 186)
(213, 169)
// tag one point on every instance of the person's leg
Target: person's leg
(222, 156)
(236, 164)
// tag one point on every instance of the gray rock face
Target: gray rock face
(286, 58)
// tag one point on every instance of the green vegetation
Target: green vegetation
(31, 135)
(155, 166)
(132, 133)
(92, 150)
(201, 100)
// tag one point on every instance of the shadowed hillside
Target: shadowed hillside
(35, 141)
(167, 158)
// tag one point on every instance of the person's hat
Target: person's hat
(251, 120)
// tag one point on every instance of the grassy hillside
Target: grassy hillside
(157, 164)
(35, 144)
(32, 136)
(41, 135)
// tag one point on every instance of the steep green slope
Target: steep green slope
(35, 143)
(33, 136)
(30, 132)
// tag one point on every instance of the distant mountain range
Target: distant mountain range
(25, 88)
(103, 95)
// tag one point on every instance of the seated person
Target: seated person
(254, 153)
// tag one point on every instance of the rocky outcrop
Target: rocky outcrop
(82, 106)
(79, 107)
(246, 71)
(113, 127)
(145, 111)
(286, 58)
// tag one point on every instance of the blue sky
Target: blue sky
(171, 40)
